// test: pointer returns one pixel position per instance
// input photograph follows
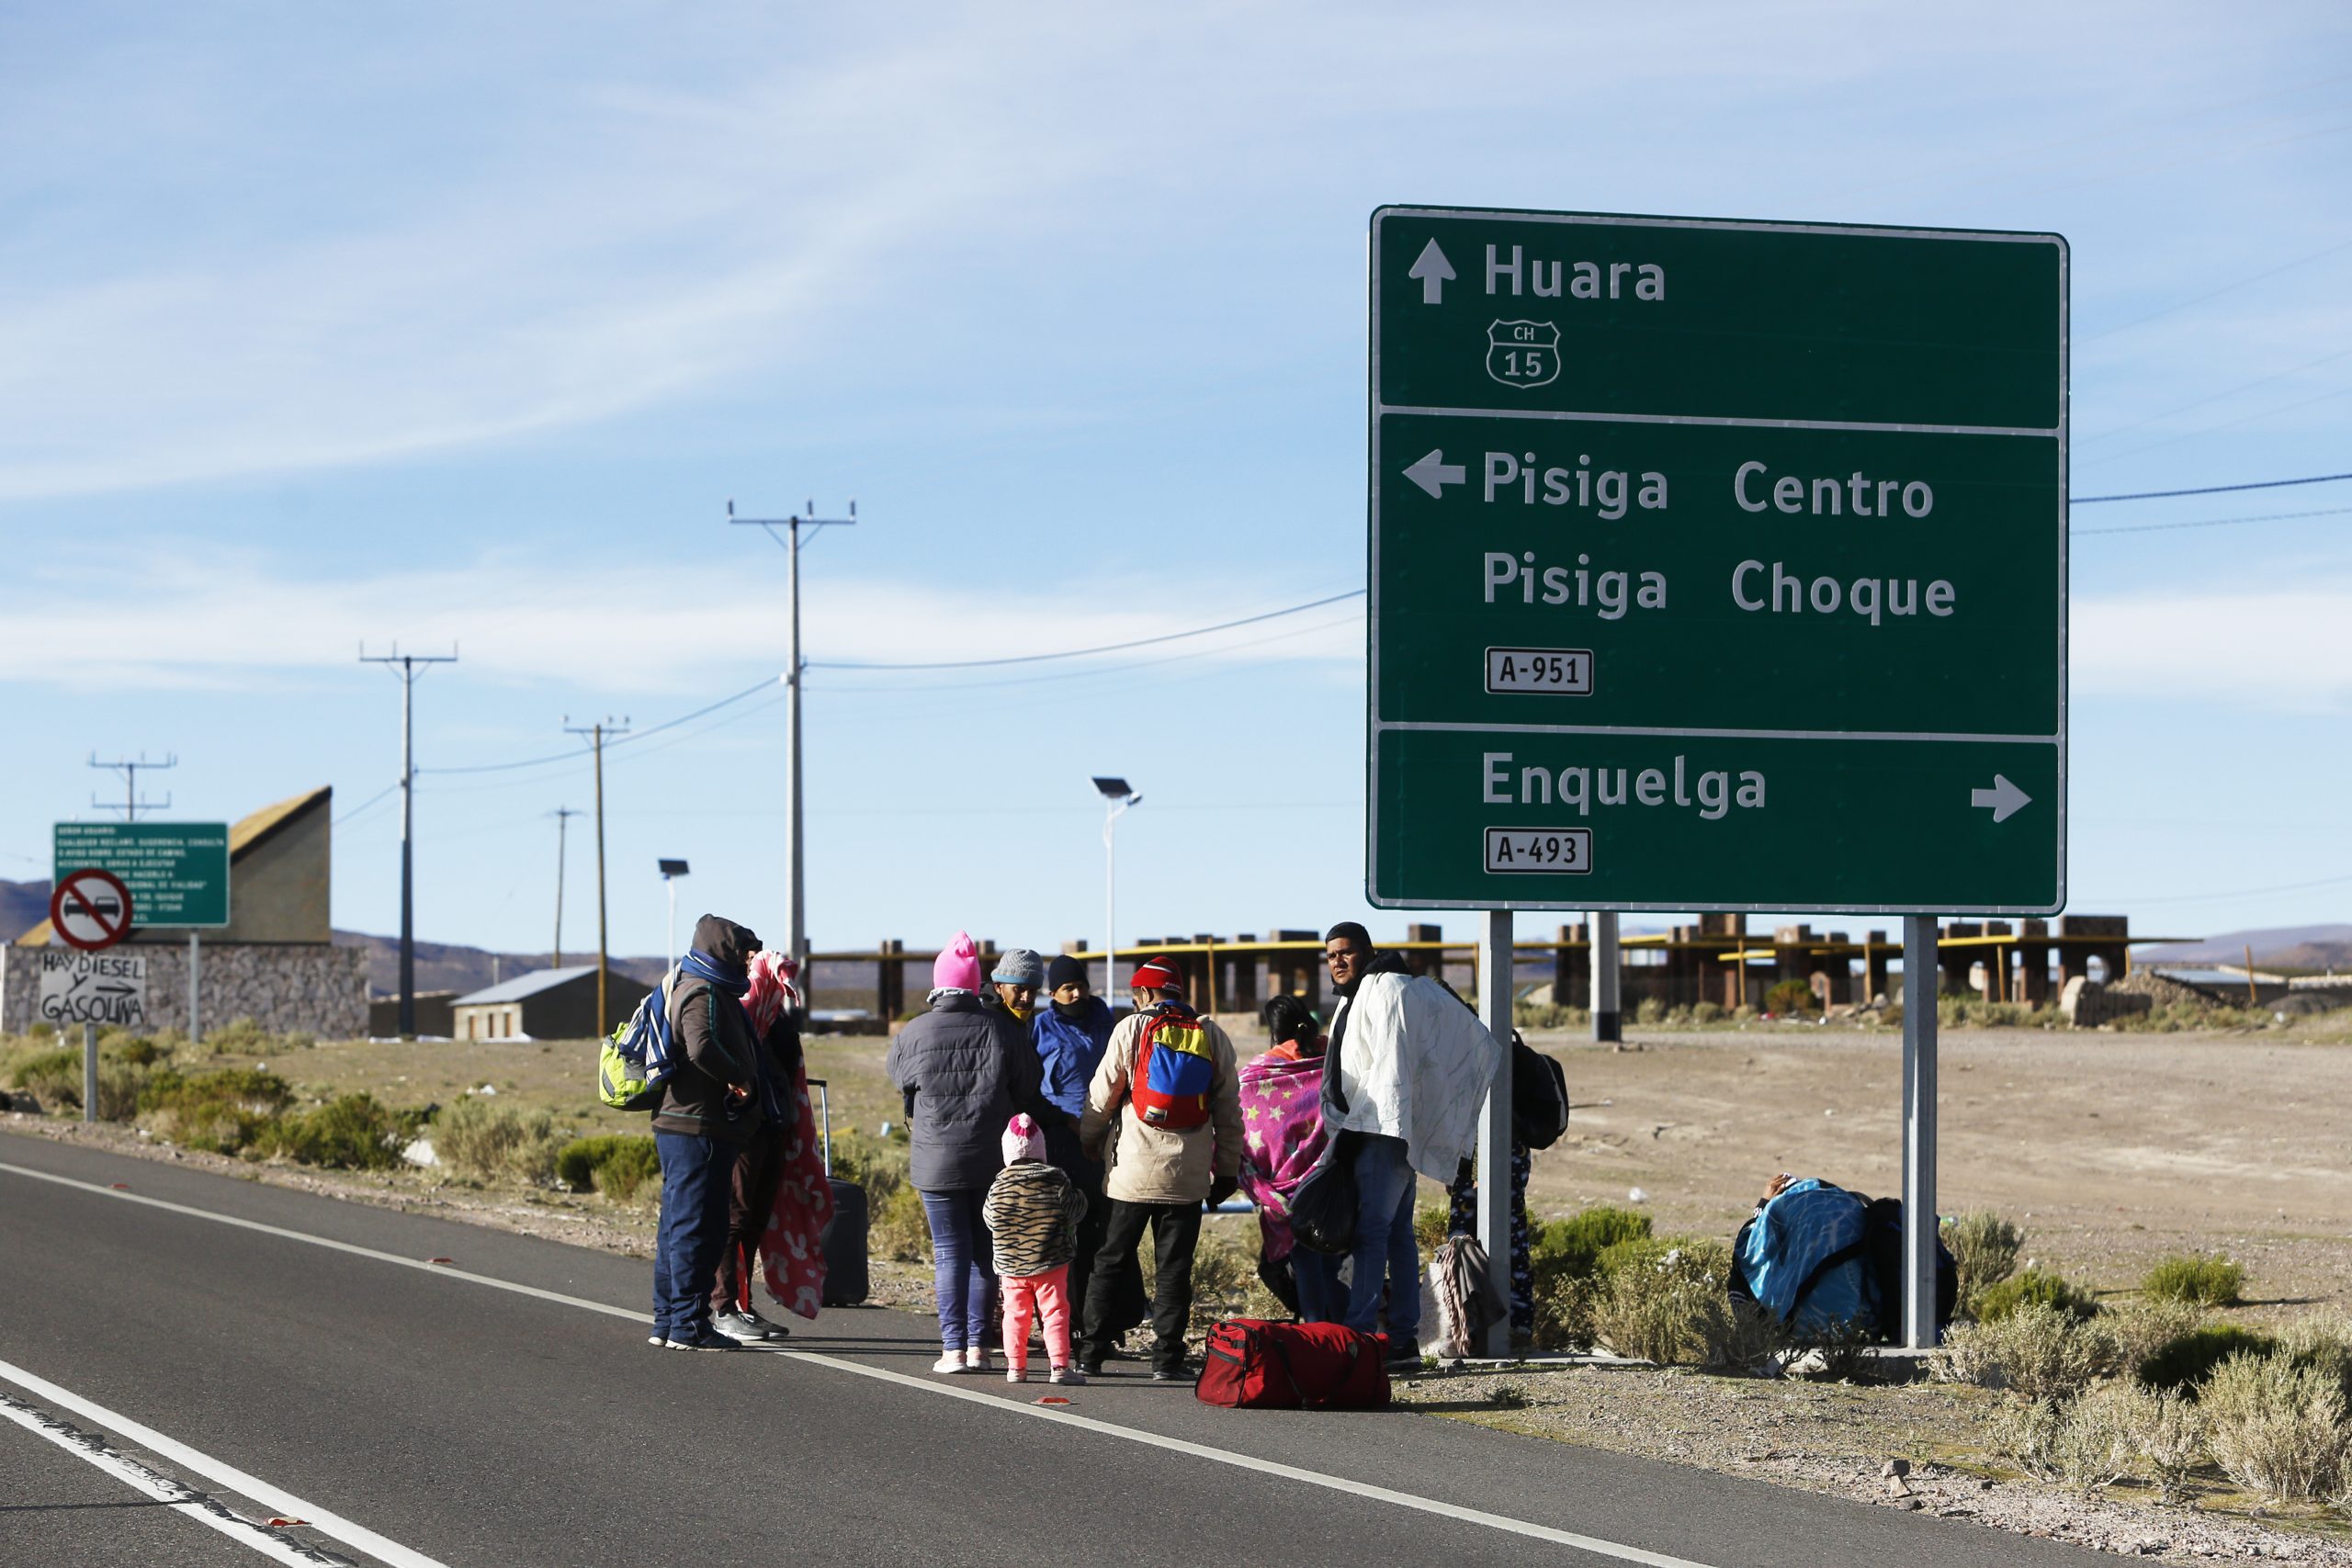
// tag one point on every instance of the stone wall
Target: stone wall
(293, 987)
(2086, 1004)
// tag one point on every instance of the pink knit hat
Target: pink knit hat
(958, 967)
(1021, 1139)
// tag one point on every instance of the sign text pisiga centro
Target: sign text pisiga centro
(177, 873)
(1716, 565)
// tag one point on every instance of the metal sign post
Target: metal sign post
(1920, 986)
(1495, 989)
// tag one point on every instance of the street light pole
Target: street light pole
(1116, 799)
(670, 871)
(408, 673)
(796, 920)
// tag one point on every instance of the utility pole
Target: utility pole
(562, 814)
(596, 733)
(796, 920)
(132, 804)
(404, 665)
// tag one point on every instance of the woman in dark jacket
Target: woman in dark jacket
(964, 1071)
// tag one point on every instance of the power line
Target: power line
(2206, 490)
(2211, 522)
(364, 804)
(616, 744)
(2217, 293)
(1105, 647)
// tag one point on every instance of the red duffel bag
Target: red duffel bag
(1251, 1364)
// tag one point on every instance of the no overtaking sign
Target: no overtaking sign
(90, 909)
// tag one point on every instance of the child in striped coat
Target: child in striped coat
(1032, 1211)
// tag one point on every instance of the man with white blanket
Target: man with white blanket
(1407, 1071)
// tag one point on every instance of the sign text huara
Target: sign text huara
(1716, 565)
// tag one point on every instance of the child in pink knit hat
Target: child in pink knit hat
(1032, 1209)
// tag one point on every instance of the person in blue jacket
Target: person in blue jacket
(1071, 1030)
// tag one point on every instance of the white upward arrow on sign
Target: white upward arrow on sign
(2004, 797)
(1435, 271)
(1433, 473)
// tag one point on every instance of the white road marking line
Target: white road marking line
(220, 1474)
(198, 1505)
(1502, 1522)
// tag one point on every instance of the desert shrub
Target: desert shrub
(1508, 1396)
(484, 1139)
(54, 1078)
(222, 1112)
(2041, 1351)
(246, 1037)
(2141, 1327)
(1835, 1352)
(1225, 1278)
(2276, 1428)
(2163, 1432)
(617, 1163)
(1984, 1251)
(2035, 1287)
(133, 1050)
(2186, 1361)
(2323, 1343)
(879, 1165)
(1564, 1310)
(1665, 1303)
(354, 1131)
(1573, 1245)
(2086, 1442)
(1547, 1015)
(1430, 1223)
(898, 1229)
(2207, 1279)
(1792, 998)
(1650, 1011)
(1707, 1012)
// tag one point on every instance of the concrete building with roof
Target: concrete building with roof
(545, 1004)
(276, 962)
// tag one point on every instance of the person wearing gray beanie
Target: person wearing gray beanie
(1020, 967)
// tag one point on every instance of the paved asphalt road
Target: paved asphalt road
(464, 1424)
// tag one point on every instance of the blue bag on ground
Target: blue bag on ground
(1803, 1256)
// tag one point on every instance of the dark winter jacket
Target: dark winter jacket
(964, 1070)
(712, 1046)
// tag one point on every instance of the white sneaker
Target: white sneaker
(1070, 1375)
(1016, 1374)
(950, 1363)
(976, 1359)
(739, 1326)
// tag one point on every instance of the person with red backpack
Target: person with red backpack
(1164, 1111)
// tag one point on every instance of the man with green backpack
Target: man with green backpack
(710, 1107)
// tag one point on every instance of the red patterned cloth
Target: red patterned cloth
(791, 1257)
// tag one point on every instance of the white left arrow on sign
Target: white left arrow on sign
(1434, 271)
(1433, 473)
(2004, 797)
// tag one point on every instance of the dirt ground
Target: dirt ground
(2108, 1149)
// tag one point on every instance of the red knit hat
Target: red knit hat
(1157, 974)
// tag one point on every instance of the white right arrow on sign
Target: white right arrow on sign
(2005, 798)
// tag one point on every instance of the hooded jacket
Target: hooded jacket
(964, 1070)
(1070, 1042)
(712, 1045)
(1155, 1165)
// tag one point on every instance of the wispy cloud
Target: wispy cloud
(2284, 649)
(230, 620)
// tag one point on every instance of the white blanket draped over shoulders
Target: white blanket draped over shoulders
(1414, 1064)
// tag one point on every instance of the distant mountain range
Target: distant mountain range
(2279, 947)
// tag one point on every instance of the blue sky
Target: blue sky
(320, 325)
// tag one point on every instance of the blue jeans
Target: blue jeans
(1385, 1252)
(963, 1265)
(1322, 1297)
(697, 1178)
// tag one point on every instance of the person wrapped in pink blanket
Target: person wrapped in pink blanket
(791, 1198)
(1283, 1122)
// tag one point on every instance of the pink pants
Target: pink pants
(1045, 1295)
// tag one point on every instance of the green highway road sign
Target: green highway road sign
(177, 873)
(1716, 565)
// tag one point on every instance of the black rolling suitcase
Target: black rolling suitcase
(843, 1237)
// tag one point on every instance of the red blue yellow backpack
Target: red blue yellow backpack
(1175, 1067)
